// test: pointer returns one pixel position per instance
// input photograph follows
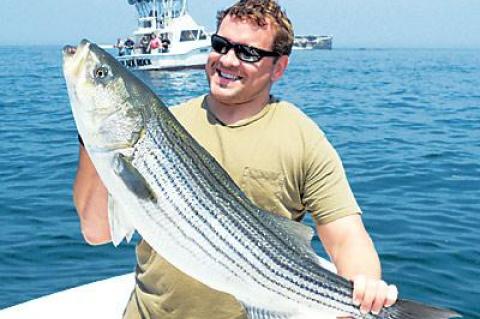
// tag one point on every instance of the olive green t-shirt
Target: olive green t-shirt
(282, 161)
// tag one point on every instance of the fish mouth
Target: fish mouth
(73, 56)
(70, 51)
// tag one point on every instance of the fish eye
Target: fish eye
(100, 72)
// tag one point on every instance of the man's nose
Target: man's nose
(230, 58)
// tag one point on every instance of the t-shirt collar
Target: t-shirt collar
(243, 122)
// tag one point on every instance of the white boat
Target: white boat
(308, 42)
(188, 42)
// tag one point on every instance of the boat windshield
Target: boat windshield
(188, 35)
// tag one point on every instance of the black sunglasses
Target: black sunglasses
(244, 53)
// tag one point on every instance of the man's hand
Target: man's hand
(372, 294)
(353, 253)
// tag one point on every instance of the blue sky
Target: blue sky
(353, 23)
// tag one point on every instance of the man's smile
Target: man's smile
(230, 76)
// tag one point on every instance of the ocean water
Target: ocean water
(405, 122)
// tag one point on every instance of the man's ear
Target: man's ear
(279, 67)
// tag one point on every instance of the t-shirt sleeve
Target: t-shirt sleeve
(327, 193)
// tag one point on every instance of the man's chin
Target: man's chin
(224, 95)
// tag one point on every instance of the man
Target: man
(120, 46)
(278, 157)
(129, 45)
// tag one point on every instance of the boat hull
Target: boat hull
(166, 61)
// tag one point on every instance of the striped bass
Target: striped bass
(182, 202)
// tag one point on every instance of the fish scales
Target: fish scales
(270, 259)
(189, 209)
(247, 205)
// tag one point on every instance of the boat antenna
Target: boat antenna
(155, 13)
(184, 7)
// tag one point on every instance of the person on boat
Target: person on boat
(278, 156)
(144, 42)
(143, 46)
(129, 45)
(155, 44)
(120, 46)
(165, 42)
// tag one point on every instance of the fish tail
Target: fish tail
(406, 309)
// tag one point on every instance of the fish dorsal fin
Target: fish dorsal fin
(302, 232)
(296, 234)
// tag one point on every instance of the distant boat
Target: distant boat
(313, 42)
(188, 43)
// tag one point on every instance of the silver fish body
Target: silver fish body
(190, 211)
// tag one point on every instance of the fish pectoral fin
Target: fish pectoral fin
(132, 178)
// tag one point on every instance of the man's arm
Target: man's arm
(353, 253)
(91, 200)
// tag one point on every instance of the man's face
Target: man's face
(233, 81)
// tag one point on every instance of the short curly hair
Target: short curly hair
(259, 11)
